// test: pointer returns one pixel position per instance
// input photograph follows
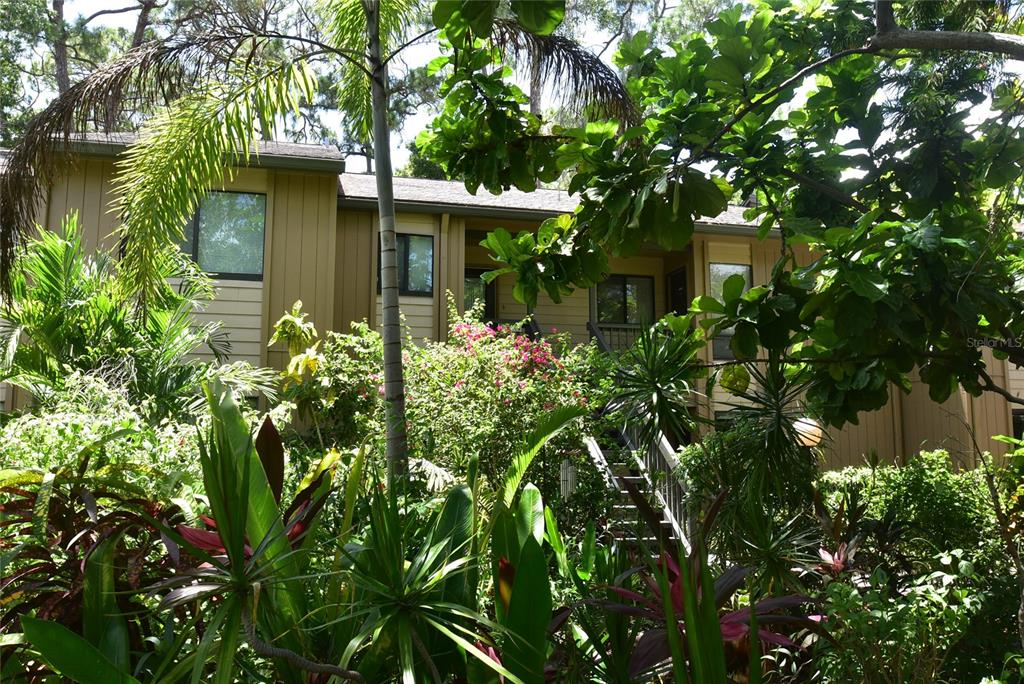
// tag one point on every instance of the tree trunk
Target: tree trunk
(145, 11)
(60, 47)
(394, 384)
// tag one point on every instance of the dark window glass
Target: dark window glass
(1018, 423)
(415, 265)
(626, 300)
(475, 290)
(719, 274)
(226, 236)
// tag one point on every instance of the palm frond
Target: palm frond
(345, 24)
(589, 87)
(245, 379)
(155, 72)
(188, 149)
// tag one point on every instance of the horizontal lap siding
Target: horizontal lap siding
(568, 316)
(238, 306)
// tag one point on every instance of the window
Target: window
(1018, 423)
(626, 300)
(415, 265)
(476, 290)
(226, 235)
(719, 274)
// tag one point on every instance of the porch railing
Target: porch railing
(657, 462)
(614, 337)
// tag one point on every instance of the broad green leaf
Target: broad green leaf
(525, 650)
(706, 304)
(539, 16)
(103, 625)
(530, 515)
(550, 425)
(732, 288)
(744, 341)
(71, 655)
(870, 285)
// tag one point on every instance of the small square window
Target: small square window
(225, 238)
(415, 265)
(626, 300)
(719, 274)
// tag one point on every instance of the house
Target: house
(305, 229)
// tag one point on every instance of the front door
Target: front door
(678, 302)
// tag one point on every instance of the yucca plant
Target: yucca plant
(656, 381)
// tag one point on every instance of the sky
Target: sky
(415, 55)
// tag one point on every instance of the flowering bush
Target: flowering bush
(473, 396)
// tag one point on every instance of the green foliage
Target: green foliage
(471, 398)
(906, 637)
(86, 411)
(766, 97)
(69, 312)
(655, 383)
(419, 166)
(188, 149)
(945, 508)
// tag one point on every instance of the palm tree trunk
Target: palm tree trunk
(394, 384)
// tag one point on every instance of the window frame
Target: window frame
(403, 273)
(490, 291)
(625, 281)
(725, 338)
(227, 275)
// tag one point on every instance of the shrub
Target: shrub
(87, 414)
(944, 508)
(761, 522)
(880, 637)
(471, 398)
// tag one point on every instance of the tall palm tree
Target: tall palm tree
(223, 86)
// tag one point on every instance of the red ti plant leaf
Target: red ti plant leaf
(271, 453)
(506, 578)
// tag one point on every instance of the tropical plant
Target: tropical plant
(234, 82)
(470, 398)
(69, 311)
(719, 120)
(77, 548)
(656, 381)
(907, 637)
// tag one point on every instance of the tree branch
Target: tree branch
(133, 8)
(991, 386)
(790, 82)
(996, 43)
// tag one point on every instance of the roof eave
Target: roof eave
(347, 202)
(265, 160)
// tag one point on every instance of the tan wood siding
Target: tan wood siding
(300, 251)
(239, 308)
(876, 431)
(86, 188)
(419, 313)
(451, 269)
(355, 298)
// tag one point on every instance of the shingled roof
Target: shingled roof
(420, 194)
(273, 154)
